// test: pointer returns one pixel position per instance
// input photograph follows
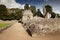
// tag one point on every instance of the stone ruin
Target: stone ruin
(27, 15)
(41, 25)
(37, 25)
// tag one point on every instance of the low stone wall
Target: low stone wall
(42, 25)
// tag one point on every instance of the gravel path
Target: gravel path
(17, 32)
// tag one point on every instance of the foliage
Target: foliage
(58, 15)
(38, 13)
(53, 15)
(26, 6)
(48, 8)
(33, 9)
(3, 12)
(17, 15)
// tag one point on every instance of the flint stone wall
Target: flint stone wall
(42, 25)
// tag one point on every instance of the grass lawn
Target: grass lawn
(3, 24)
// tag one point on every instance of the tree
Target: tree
(53, 14)
(58, 16)
(15, 14)
(48, 8)
(33, 9)
(3, 12)
(19, 13)
(26, 6)
(38, 13)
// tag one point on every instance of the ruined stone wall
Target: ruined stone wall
(42, 25)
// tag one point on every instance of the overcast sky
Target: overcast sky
(38, 3)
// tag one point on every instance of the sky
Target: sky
(38, 3)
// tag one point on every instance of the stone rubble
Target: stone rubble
(40, 25)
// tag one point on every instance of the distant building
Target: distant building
(46, 14)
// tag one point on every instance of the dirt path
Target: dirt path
(17, 32)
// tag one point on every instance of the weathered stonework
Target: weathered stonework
(27, 15)
(39, 25)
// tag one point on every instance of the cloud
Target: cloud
(12, 4)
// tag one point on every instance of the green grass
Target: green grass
(3, 24)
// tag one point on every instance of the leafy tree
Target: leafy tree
(53, 14)
(33, 9)
(38, 13)
(15, 15)
(26, 6)
(48, 8)
(58, 16)
(3, 12)
(18, 15)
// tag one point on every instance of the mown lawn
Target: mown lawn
(3, 24)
